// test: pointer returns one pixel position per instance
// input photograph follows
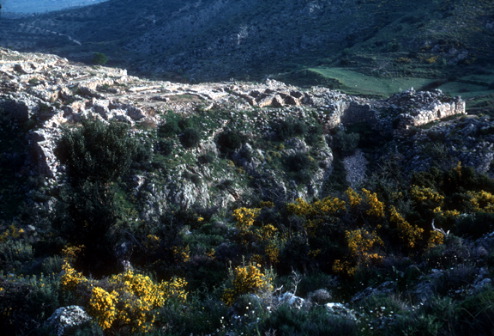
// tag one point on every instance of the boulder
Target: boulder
(338, 309)
(291, 300)
(67, 318)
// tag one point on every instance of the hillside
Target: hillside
(236, 208)
(424, 44)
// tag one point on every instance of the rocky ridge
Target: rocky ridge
(220, 39)
(51, 92)
(57, 92)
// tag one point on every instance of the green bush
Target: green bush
(228, 141)
(286, 321)
(300, 167)
(201, 316)
(475, 314)
(26, 302)
(96, 152)
(96, 156)
(474, 225)
(169, 129)
(100, 58)
(288, 128)
(345, 143)
(190, 138)
(206, 158)
(314, 136)
(164, 147)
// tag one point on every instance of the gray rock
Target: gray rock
(291, 300)
(384, 288)
(20, 105)
(338, 309)
(319, 296)
(66, 318)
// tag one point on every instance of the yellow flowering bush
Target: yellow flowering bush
(272, 252)
(328, 205)
(435, 238)
(71, 278)
(181, 253)
(267, 232)
(13, 232)
(482, 201)
(300, 207)
(102, 306)
(360, 243)
(409, 233)
(247, 279)
(344, 267)
(353, 197)
(316, 212)
(446, 213)
(245, 217)
(125, 299)
(138, 296)
(267, 204)
(376, 207)
(423, 194)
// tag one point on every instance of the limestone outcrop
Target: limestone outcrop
(52, 92)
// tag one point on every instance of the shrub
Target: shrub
(345, 143)
(300, 167)
(201, 316)
(286, 321)
(97, 156)
(474, 225)
(475, 314)
(169, 129)
(190, 138)
(245, 280)
(165, 147)
(288, 128)
(228, 141)
(96, 152)
(314, 135)
(100, 58)
(453, 279)
(297, 162)
(26, 302)
(123, 301)
(206, 158)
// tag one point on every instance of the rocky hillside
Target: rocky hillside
(130, 205)
(425, 42)
(278, 123)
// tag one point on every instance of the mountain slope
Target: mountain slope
(295, 41)
(364, 214)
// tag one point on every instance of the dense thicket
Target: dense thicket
(411, 257)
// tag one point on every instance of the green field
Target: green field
(476, 89)
(353, 82)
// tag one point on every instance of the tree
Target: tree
(100, 58)
(96, 157)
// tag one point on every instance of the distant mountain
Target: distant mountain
(422, 43)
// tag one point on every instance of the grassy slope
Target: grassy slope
(416, 49)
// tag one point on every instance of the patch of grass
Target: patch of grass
(352, 81)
